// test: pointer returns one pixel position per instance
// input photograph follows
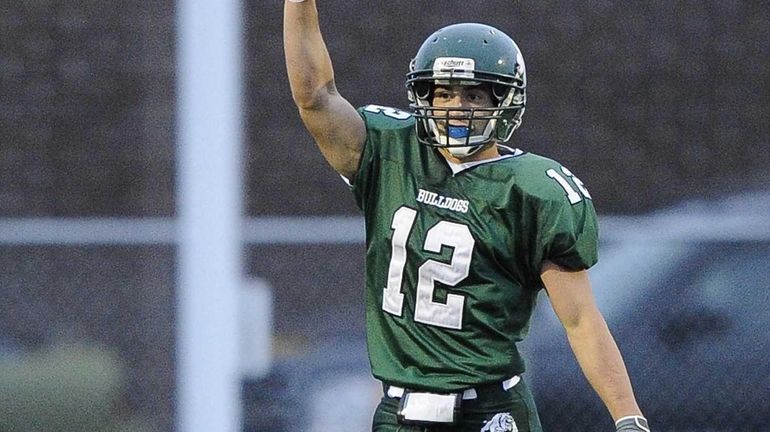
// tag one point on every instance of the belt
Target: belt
(468, 394)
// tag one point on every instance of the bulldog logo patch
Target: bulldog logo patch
(501, 422)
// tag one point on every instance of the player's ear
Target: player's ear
(498, 91)
(423, 90)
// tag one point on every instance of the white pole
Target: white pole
(256, 324)
(209, 215)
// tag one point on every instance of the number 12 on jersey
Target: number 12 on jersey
(572, 195)
(443, 233)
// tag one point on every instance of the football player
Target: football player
(462, 232)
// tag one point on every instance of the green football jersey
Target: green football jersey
(453, 260)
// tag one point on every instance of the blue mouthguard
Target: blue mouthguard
(458, 132)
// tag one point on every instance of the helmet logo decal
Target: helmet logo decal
(453, 67)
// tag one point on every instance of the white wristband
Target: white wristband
(634, 422)
(296, 1)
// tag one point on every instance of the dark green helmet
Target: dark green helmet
(467, 54)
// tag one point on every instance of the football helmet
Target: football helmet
(467, 54)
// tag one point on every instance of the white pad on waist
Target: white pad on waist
(429, 407)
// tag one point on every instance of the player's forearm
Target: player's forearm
(602, 364)
(307, 59)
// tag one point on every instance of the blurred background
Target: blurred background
(661, 108)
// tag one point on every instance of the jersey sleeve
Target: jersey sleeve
(567, 234)
(363, 178)
(387, 131)
(565, 224)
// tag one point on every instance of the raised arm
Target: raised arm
(594, 347)
(332, 121)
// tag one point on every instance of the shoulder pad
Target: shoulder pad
(549, 180)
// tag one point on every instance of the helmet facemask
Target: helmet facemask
(465, 130)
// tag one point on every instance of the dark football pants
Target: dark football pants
(491, 400)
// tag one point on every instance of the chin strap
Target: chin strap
(464, 151)
(634, 423)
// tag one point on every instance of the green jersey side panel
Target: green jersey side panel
(453, 261)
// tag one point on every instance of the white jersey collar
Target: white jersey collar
(506, 152)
